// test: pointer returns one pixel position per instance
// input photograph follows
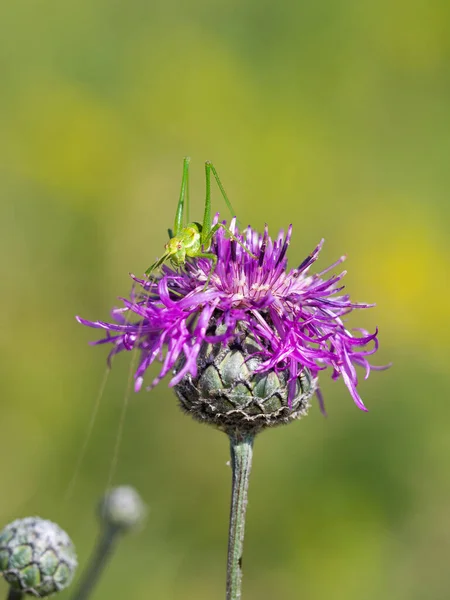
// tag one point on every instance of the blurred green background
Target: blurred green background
(331, 115)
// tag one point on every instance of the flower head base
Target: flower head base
(230, 392)
(294, 319)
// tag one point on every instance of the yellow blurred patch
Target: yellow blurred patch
(411, 33)
(403, 257)
(64, 138)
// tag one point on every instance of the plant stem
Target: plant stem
(241, 447)
(98, 561)
(14, 594)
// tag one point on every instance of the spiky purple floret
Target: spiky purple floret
(296, 317)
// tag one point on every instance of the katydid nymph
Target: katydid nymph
(194, 239)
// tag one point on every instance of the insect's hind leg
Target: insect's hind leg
(210, 167)
(184, 196)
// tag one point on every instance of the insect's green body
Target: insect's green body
(194, 239)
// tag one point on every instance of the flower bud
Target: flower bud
(36, 556)
(122, 508)
(229, 392)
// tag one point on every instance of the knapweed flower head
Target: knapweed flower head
(249, 324)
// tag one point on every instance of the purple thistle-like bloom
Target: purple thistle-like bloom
(296, 317)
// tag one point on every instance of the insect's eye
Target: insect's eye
(179, 246)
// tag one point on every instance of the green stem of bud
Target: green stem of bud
(15, 594)
(102, 553)
(241, 447)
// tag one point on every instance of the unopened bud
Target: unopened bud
(36, 556)
(122, 508)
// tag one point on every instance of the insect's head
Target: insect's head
(179, 247)
(176, 251)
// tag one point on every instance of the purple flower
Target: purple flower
(296, 317)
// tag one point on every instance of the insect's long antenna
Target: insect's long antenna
(71, 486)
(126, 401)
(206, 227)
(82, 453)
(221, 188)
(123, 412)
(178, 226)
